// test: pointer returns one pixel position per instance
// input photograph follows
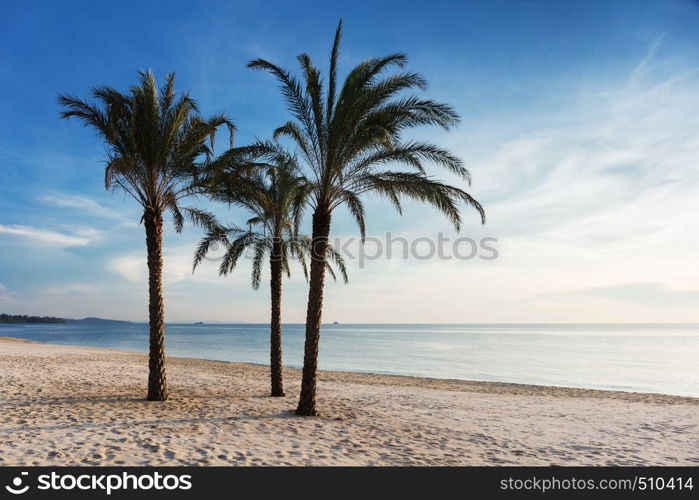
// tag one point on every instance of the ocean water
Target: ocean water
(641, 358)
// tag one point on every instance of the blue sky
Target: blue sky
(579, 124)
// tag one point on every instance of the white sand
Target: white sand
(77, 405)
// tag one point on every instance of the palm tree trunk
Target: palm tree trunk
(157, 383)
(321, 231)
(276, 320)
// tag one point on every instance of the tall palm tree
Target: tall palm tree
(275, 196)
(346, 137)
(156, 143)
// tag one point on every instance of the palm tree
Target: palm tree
(156, 143)
(275, 196)
(346, 137)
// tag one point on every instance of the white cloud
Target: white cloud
(84, 204)
(647, 294)
(5, 294)
(177, 266)
(49, 238)
(131, 267)
(72, 289)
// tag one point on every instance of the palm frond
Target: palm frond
(260, 248)
(335, 258)
(234, 250)
(219, 235)
(355, 207)
(201, 218)
(332, 77)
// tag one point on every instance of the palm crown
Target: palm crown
(156, 142)
(275, 194)
(348, 134)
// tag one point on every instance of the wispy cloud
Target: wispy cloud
(131, 267)
(50, 238)
(71, 289)
(652, 294)
(5, 294)
(177, 267)
(616, 164)
(639, 71)
(84, 204)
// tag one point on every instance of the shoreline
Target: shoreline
(460, 385)
(70, 405)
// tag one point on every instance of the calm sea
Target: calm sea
(647, 358)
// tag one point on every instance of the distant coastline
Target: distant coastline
(23, 318)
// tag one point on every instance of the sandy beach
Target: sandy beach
(85, 406)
